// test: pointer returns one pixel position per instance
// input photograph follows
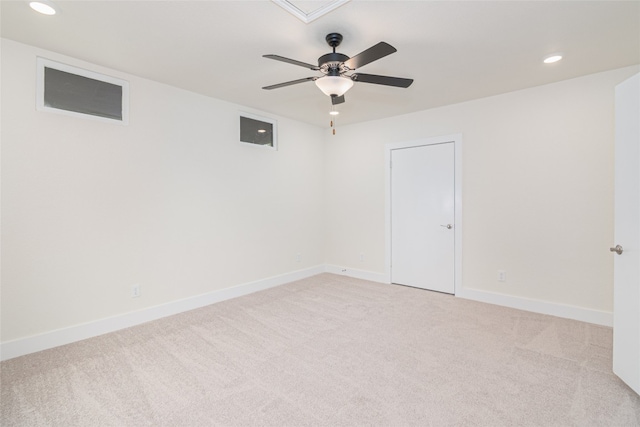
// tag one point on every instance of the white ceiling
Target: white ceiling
(455, 51)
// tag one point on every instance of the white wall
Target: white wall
(172, 202)
(537, 190)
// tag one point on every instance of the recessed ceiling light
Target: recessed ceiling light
(334, 113)
(550, 59)
(46, 8)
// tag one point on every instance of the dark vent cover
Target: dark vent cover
(71, 92)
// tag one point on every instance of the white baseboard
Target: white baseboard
(604, 318)
(358, 274)
(32, 344)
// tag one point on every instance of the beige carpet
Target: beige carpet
(330, 351)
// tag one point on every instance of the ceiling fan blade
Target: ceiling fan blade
(292, 82)
(335, 100)
(292, 61)
(382, 80)
(374, 53)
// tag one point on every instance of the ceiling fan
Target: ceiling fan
(336, 67)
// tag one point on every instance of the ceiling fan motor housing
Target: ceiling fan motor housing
(332, 62)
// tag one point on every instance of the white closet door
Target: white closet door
(422, 217)
(626, 294)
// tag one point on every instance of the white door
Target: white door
(626, 294)
(422, 217)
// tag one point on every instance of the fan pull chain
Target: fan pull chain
(334, 114)
(333, 123)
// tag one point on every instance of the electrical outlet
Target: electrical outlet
(298, 257)
(361, 257)
(135, 291)
(502, 276)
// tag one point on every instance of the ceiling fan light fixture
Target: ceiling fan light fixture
(334, 85)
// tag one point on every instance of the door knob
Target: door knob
(617, 249)
(448, 226)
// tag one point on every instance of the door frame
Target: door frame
(456, 139)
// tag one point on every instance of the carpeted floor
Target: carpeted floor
(328, 351)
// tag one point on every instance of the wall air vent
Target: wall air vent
(73, 91)
(259, 131)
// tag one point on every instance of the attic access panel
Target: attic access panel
(309, 11)
(259, 131)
